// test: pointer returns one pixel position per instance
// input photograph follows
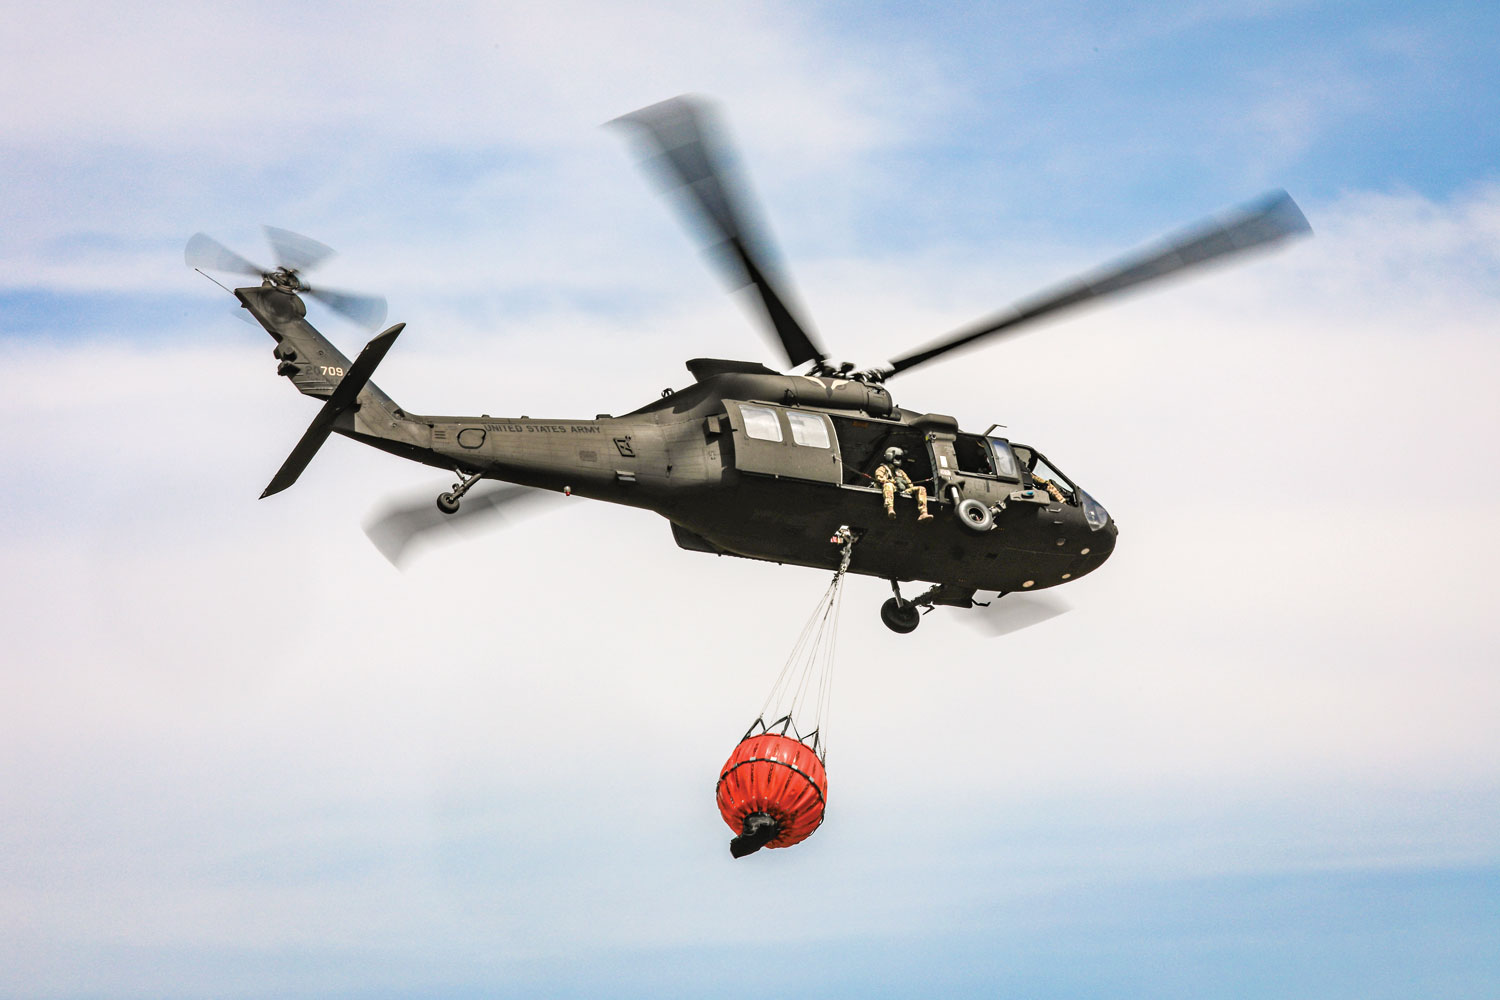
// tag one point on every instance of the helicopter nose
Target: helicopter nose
(1100, 543)
(1095, 545)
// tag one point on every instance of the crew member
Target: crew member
(1051, 487)
(893, 479)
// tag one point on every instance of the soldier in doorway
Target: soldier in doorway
(893, 479)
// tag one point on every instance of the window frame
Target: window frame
(1015, 461)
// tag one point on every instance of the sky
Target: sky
(243, 756)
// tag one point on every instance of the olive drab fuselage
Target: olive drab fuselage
(746, 462)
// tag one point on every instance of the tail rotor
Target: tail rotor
(295, 255)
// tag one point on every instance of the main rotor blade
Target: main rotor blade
(1274, 218)
(400, 528)
(683, 132)
(208, 254)
(1013, 612)
(366, 310)
(296, 252)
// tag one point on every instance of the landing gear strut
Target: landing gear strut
(448, 502)
(900, 615)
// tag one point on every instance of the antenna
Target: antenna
(213, 279)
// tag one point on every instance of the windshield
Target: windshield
(1047, 476)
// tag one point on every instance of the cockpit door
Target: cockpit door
(784, 441)
(985, 470)
(945, 471)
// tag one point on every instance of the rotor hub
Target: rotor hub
(286, 279)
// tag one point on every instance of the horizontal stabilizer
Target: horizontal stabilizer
(343, 397)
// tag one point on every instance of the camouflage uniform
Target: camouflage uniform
(1050, 487)
(896, 480)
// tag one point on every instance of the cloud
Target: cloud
(1309, 384)
(216, 76)
(485, 152)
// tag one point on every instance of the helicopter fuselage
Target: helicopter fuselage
(753, 463)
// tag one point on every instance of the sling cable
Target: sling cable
(774, 787)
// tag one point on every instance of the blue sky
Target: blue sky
(244, 757)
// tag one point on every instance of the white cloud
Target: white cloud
(234, 716)
(137, 136)
(459, 72)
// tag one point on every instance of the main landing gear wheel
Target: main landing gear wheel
(974, 515)
(447, 503)
(900, 616)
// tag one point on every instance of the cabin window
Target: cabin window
(761, 422)
(1005, 459)
(807, 429)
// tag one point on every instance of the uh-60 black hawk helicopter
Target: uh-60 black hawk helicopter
(749, 461)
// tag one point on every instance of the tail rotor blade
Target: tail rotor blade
(1275, 218)
(366, 310)
(296, 252)
(208, 254)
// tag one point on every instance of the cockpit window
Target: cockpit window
(1005, 459)
(973, 457)
(1051, 480)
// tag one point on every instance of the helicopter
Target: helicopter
(750, 461)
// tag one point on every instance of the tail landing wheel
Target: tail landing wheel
(448, 502)
(900, 616)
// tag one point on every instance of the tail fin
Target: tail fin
(343, 396)
(318, 369)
